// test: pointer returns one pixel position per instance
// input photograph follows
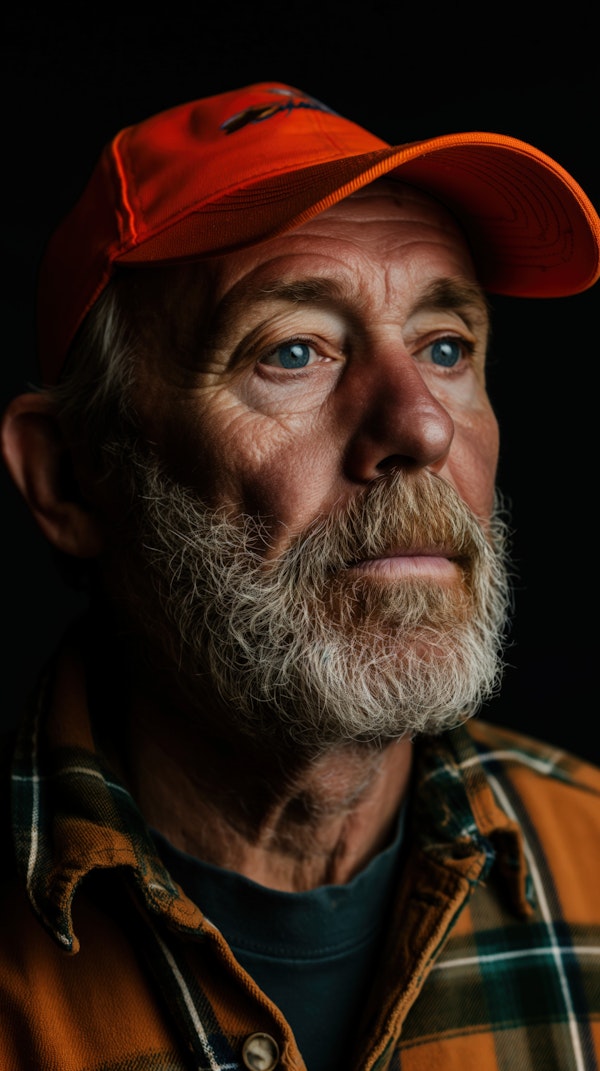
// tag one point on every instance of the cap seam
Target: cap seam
(128, 212)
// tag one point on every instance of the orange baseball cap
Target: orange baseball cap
(232, 170)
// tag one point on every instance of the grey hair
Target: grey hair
(93, 401)
(93, 397)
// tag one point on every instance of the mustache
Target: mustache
(396, 513)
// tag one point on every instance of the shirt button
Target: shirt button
(260, 1052)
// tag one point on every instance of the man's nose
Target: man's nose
(397, 421)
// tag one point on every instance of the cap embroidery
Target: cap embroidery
(257, 113)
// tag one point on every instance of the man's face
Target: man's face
(326, 387)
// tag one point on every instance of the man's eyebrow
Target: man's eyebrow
(295, 291)
(312, 288)
(459, 295)
(443, 293)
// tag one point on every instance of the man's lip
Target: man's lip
(397, 563)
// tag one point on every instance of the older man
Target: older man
(247, 791)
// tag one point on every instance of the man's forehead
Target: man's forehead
(381, 217)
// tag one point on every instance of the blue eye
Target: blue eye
(447, 351)
(293, 354)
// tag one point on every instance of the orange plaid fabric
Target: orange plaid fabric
(492, 955)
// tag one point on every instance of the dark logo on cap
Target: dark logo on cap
(288, 100)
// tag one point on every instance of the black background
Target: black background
(70, 82)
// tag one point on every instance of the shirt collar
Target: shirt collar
(72, 815)
(457, 817)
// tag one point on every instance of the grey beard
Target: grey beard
(294, 651)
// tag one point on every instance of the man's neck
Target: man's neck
(290, 823)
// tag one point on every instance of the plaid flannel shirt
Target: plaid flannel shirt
(492, 954)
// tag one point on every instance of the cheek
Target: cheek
(287, 488)
(282, 473)
(473, 460)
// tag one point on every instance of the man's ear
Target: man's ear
(41, 464)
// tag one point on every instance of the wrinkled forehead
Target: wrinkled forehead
(385, 209)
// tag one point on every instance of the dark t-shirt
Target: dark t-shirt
(312, 952)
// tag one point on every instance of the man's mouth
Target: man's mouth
(396, 565)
